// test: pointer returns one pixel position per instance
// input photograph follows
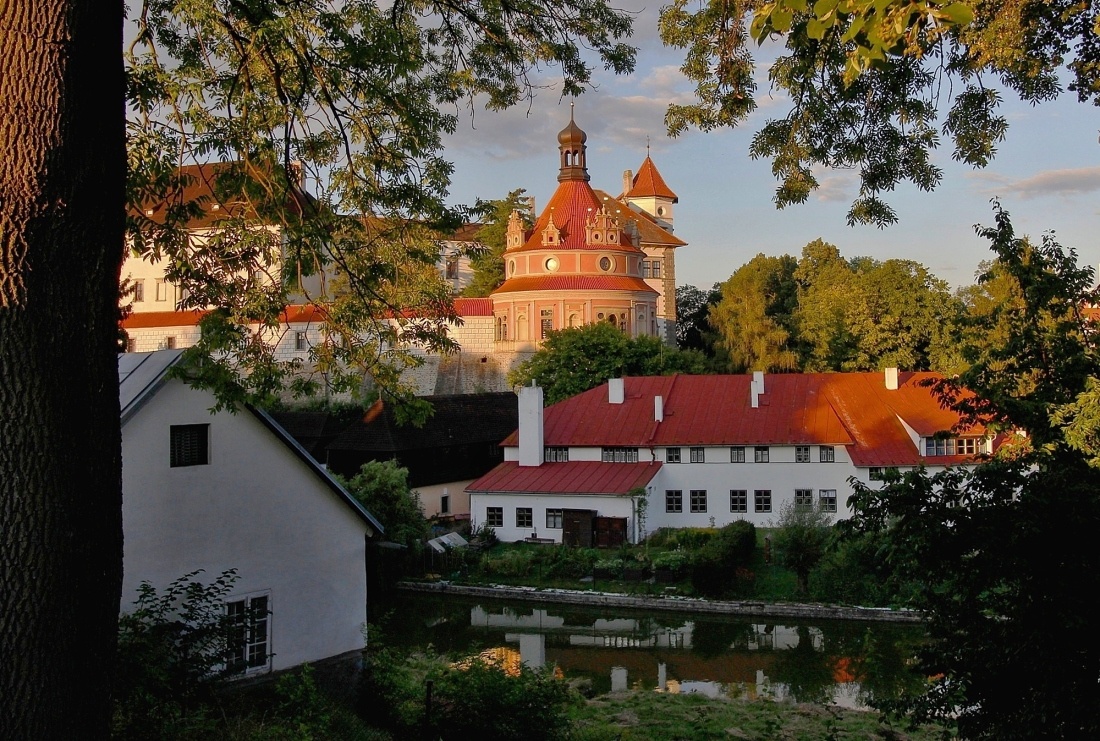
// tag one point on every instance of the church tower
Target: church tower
(580, 263)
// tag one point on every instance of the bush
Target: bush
(720, 568)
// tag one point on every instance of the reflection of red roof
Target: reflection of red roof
(649, 183)
(574, 477)
(574, 283)
(850, 409)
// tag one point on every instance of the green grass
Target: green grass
(652, 716)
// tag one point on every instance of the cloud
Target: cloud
(1067, 182)
(834, 186)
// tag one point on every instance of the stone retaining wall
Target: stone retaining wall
(668, 603)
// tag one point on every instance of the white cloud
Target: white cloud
(1067, 182)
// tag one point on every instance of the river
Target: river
(842, 663)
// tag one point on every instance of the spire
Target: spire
(571, 139)
(648, 183)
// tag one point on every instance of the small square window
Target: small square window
(300, 342)
(190, 445)
(645, 268)
(739, 500)
(672, 455)
(619, 455)
(674, 500)
(494, 516)
(131, 344)
(169, 343)
(762, 500)
(804, 498)
(874, 473)
(655, 268)
(761, 454)
(737, 454)
(801, 453)
(827, 498)
(524, 517)
(826, 454)
(698, 500)
(555, 454)
(553, 519)
(698, 455)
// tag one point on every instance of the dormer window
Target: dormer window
(953, 446)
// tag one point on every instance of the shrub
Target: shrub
(714, 567)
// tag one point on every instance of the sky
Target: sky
(1046, 173)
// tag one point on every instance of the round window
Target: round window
(511, 267)
(551, 264)
(660, 211)
(605, 263)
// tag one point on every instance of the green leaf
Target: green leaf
(960, 14)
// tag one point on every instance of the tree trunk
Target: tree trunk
(62, 181)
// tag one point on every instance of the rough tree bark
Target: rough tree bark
(62, 172)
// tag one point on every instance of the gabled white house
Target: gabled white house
(708, 450)
(220, 491)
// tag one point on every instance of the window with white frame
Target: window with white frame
(645, 268)
(698, 500)
(190, 445)
(619, 455)
(494, 516)
(762, 500)
(761, 454)
(698, 455)
(804, 498)
(655, 268)
(300, 342)
(555, 454)
(672, 455)
(739, 500)
(162, 291)
(737, 454)
(826, 454)
(952, 446)
(139, 291)
(827, 500)
(524, 517)
(553, 519)
(249, 623)
(674, 500)
(801, 453)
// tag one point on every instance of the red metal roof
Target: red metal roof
(648, 183)
(474, 306)
(574, 283)
(850, 409)
(574, 477)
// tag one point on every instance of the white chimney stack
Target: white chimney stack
(756, 388)
(658, 409)
(530, 426)
(891, 379)
(616, 391)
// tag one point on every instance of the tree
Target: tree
(1000, 554)
(865, 80)
(576, 359)
(754, 316)
(801, 536)
(383, 488)
(693, 330)
(353, 90)
(488, 264)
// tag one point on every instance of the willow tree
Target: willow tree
(353, 93)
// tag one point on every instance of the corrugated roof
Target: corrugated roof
(850, 409)
(574, 477)
(649, 183)
(574, 283)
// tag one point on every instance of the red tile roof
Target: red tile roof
(648, 183)
(572, 204)
(850, 409)
(474, 306)
(574, 283)
(574, 477)
(190, 318)
(649, 231)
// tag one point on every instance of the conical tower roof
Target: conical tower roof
(648, 183)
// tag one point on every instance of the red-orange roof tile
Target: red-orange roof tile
(649, 231)
(574, 477)
(572, 204)
(296, 314)
(474, 306)
(649, 183)
(574, 283)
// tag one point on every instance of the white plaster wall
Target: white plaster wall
(604, 506)
(431, 498)
(257, 508)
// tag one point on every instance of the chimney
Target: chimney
(756, 388)
(530, 426)
(658, 409)
(616, 391)
(891, 379)
(628, 182)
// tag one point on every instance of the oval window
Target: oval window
(512, 267)
(551, 264)
(605, 263)
(660, 211)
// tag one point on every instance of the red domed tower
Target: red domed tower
(580, 263)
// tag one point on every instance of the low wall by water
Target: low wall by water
(670, 603)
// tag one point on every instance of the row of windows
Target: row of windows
(301, 342)
(161, 291)
(760, 454)
(494, 517)
(953, 446)
(651, 268)
(739, 500)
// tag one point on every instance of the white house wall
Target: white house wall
(605, 506)
(255, 507)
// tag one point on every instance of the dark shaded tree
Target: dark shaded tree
(693, 330)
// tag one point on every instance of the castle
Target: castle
(589, 257)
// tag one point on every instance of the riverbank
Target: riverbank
(670, 603)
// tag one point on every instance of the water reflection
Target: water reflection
(846, 664)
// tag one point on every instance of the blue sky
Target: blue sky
(1046, 174)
